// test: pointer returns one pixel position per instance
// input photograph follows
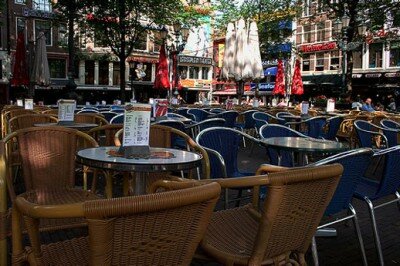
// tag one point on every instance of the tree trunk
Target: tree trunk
(122, 54)
(122, 58)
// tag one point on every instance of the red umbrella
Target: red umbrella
(297, 82)
(279, 87)
(176, 82)
(162, 78)
(20, 69)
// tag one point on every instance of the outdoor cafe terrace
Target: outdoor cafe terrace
(200, 185)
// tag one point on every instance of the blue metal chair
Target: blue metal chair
(87, 111)
(222, 145)
(282, 158)
(391, 130)
(355, 163)
(176, 141)
(370, 190)
(199, 114)
(387, 123)
(229, 116)
(118, 119)
(216, 110)
(313, 127)
(281, 115)
(333, 124)
(109, 115)
(212, 122)
(369, 136)
(249, 122)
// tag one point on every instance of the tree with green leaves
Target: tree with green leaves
(122, 25)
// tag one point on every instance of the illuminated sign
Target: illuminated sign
(317, 47)
(195, 60)
(27, 12)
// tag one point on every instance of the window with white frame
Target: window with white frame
(394, 60)
(334, 61)
(45, 27)
(319, 62)
(307, 33)
(307, 8)
(62, 35)
(20, 24)
(43, 5)
(194, 72)
(357, 58)
(183, 72)
(21, 2)
(306, 62)
(321, 32)
(204, 72)
(375, 55)
(141, 43)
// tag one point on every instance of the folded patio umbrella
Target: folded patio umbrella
(297, 82)
(279, 87)
(254, 48)
(20, 68)
(40, 72)
(229, 52)
(162, 76)
(242, 64)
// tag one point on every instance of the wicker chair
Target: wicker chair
(7, 115)
(28, 120)
(157, 229)
(47, 157)
(90, 118)
(294, 206)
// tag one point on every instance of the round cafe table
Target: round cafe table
(304, 145)
(78, 126)
(160, 160)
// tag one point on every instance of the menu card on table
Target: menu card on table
(330, 105)
(304, 108)
(66, 111)
(20, 102)
(29, 104)
(136, 136)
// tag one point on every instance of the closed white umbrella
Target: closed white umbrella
(40, 72)
(229, 52)
(241, 72)
(254, 48)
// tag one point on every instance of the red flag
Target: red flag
(20, 69)
(297, 82)
(279, 87)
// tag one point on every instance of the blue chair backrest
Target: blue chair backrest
(212, 122)
(260, 119)
(216, 110)
(355, 163)
(88, 111)
(118, 119)
(390, 181)
(333, 127)
(199, 114)
(391, 136)
(249, 122)
(363, 130)
(386, 123)
(182, 111)
(280, 116)
(226, 142)
(314, 126)
(274, 130)
(230, 118)
(176, 141)
(109, 115)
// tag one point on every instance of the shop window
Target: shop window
(321, 32)
(394, 54)
(57, 68)
(306, 63)
(375, 55)
(334, 63)
(307, 32)
(183, 72)
(116, 74)
(45, 27)
(193, 72)
(89, 72)
(103, 72)
(357, 58)
(319, 62)
(204, 72)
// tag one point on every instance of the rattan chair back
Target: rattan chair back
(104, 135)
(156, 229)
(47, 155)
(29, 120)
(92, 118)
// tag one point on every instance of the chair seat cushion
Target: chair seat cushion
(367, 188)
(69, 252)
(228, 235)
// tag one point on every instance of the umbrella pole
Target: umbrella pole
(240, 90)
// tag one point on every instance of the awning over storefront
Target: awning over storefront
(322, 80)
(230, 91)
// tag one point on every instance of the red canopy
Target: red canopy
(162, 78)
(297, 82)
(20, 69)
(279, 87)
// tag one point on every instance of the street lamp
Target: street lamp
(132, 77)
(341, 27)
(181, 35)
